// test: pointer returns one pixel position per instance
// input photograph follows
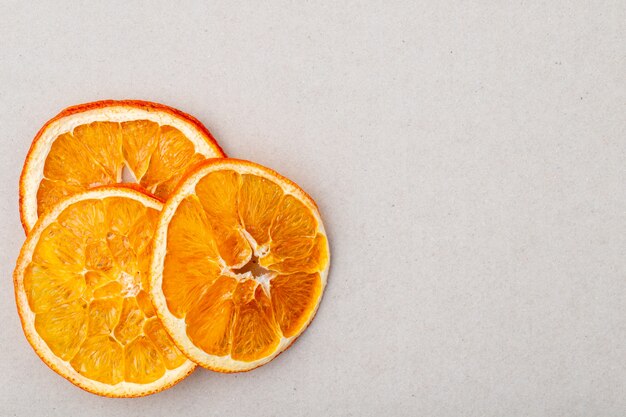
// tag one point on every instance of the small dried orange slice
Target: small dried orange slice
(80, 286)
(108, 142)
(240, 263)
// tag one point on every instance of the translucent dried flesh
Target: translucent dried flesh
(217, 192)
(51, 192)
(255, 333)
(304, 259)
(94, 154)
(215, 236)
(213, 335)
(86, 286)
(258, 201)
(196, 266)
(292, 298)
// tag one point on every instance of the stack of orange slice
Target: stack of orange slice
(148, 251)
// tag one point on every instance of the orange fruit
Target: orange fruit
(101, 143)
(80, 287)
(240, 264)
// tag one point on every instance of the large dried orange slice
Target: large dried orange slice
(240, 264)
(80, 287)
(109, 142)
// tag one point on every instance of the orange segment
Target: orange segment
(217, 193)
(144, 303)
(302, 261)
(85, 219)
(184, 279)
(100, 358)
(63, 328)
(140, 234)
(69, 162)
(293, 229)
(123, 254)
(140, 139)
(102, 141)
(293, 299)
(104, 314)
(190, 229)
(98, 256)
(99, 279)
(112, 289)
(171, 157)
(81, 293)
(131, 321)
(49, 287)
(90, 145)
(166, 348)
(258, 201)
(209, 323)
(121, 215)
(255, 334)
(244, 303)
(51, 252)
(143, 363)
(51, 192)
(193, 270)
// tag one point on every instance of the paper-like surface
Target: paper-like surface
(469, 161)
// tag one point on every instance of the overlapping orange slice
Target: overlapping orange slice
(81, 283)
(240, 264)
(107, 142)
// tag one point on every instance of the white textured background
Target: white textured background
(469, 159)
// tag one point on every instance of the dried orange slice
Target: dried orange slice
(80, 287)
(91, 144)
(240, 263)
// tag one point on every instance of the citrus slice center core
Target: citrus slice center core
(253, 270)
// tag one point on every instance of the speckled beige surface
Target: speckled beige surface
(468, 161)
